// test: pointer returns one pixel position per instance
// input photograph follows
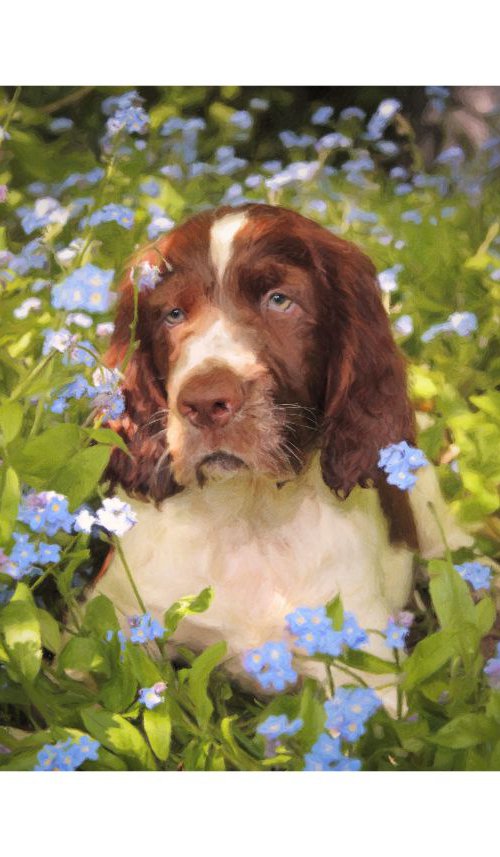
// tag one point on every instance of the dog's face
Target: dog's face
(263, 338)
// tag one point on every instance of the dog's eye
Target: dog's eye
(175, 316)
(279, 301)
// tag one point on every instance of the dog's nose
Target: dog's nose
(211, 400)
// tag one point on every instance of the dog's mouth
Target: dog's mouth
(218, 465)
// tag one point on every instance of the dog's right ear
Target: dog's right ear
(143, 423)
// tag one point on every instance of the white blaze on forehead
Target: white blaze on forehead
(222, 235)
(220, 344)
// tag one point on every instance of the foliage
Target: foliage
(76, 198)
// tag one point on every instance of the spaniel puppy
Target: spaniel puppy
(265, 383)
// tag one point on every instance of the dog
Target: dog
(264, 384)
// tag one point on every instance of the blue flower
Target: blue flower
(326, 755)
(159, 222)
(23, 554)
(46, 512)
(322, 115)
(144, 628)
(492, 670)
(86, 288)
(242, 119)
(46, 210)
(348, 763)
(259, 103)
(404, 325)
(150, 187)
(403, 189)
(352, 113)
(292, 140)
(395, 635)
(152, 696)
(333, 141)
(67, 755)
(132, 119)
(462, 323)
(387, 147)
(387, 279)
(479, 576)
(271, 665)
(411, 217)
(353, 636)
(349, 710)
(453, 155)
(275, 726)
(113, 212)
(48, 553)
(399, 173)
(398, 460)
(382, 117)
(61, 123)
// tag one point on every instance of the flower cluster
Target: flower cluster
(478, 575)
(86, 288)
(271, 665)
(113, 213)
(24, 556)
(115, 516)
(462, 323)
(399, 460)
(349, 710)
(492, 670)
(128, 114)
(148, 276)
(45, 211)
(276, 727)
(46, 512)
(67, 755)
(152, 696)
(144, 628)
(315, 634)
(326, 755)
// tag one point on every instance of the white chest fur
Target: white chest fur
(266, 551)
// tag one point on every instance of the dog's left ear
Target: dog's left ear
(366, 406)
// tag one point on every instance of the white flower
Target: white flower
(84, 521)
(116, 516)
(23, 309)
(105, 328)
(80, 319)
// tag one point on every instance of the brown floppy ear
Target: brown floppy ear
(142, 425)
(366, 406)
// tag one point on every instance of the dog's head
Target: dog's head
(263, 338)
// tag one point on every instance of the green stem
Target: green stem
(441, 531)
(12, 108)
(128, 572)
(24, 384)
(399, 692)
(329, 678)
(349, 672)
(133, 327)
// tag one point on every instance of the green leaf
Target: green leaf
(468, 730)
(117, 734)
(84, 654)
(185, 606)
(158, 728)
(313, 714)
(79, 478)
(367, 662)
(20, 627)
(9, 504)
(485, 614)
(39, 459)
(11, 419)
(335, 611)
(108, 437)
(119, 692)
(428, 656)
(51, 635)
(100, 617)
(454, 606)
(199, 675)
(144, 669)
